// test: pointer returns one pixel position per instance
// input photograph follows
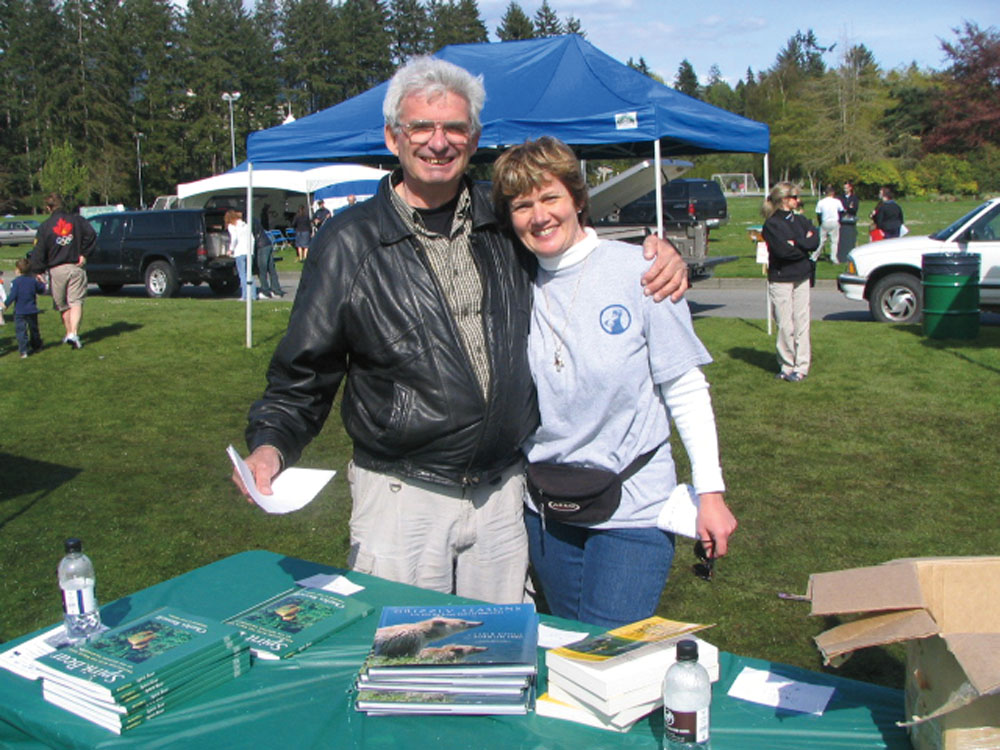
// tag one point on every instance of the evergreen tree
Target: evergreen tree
(573, 26)
(719, 93)
(641, 66)
(309, 64)
(686, 80)
(455, 22)
(409, 29)
(546, 22)
(158, 95)
(365, 52)
(515, 24)
(216, 42)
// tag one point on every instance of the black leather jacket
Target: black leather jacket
(368, 307)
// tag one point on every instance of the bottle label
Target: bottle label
(686, 726)
(79, 601)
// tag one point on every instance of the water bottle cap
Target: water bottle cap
(74, 545)
(687, 650)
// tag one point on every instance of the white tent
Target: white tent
(284, 186)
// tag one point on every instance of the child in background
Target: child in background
(24, 290)
(3, 299)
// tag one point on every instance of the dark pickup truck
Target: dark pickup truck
(161, 249)
(684, 201)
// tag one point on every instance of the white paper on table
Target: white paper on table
(292, 489)
(680, 513)
(20, 659)
(550, 637)
(332, 582)
(769, 689)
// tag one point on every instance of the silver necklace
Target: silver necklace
(559, 339)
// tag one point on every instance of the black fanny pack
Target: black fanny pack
(579, 494)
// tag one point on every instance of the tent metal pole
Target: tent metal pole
(767, 192)
(248, 288)
(658, 188)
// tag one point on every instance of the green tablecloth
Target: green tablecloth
(305, 701)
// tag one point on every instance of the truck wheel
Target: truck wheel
(161, 279)
(898, 298)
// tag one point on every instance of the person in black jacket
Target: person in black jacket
(62, 245)
(887, 216)
(790, 239)
(423, 303)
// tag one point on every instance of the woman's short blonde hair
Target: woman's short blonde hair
(527, 167)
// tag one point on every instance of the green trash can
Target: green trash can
(951, 295)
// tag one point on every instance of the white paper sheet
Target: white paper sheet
(292, 489)
(680, 513)
(21, 659)
(769, 689)
(550, 637)
(332, 582)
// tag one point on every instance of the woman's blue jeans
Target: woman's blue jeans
(608, 577)
(242, 266)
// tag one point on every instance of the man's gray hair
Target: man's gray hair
(430, 76)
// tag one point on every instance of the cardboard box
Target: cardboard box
(947, 610)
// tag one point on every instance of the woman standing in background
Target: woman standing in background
(790, 239)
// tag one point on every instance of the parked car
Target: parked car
(684, 201)
(17, 232)
(888, 273)
(161, 249)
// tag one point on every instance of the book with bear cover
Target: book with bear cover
(626, 659)
(466, 640)
(293, 620)
(165, 643)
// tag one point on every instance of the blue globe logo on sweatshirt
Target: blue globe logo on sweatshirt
(615, 319)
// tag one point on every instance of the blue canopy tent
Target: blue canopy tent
(561, 86)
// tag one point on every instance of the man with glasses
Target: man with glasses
(423, 303)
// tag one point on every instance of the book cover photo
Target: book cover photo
(448, 637)
(296, 618)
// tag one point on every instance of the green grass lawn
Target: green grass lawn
(884, 452)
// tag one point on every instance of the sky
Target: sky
(736, 34)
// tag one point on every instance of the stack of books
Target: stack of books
(134, 672)
(460, 659)
(613, 679)
(294, 619)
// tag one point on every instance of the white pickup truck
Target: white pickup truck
(888, 273)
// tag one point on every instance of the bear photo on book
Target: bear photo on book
(450, 636)
(409, 639)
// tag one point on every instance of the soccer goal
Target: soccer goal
(738, 183)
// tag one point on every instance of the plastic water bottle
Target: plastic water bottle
(687, 698)
(76, 579)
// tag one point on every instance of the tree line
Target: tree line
(97, 90)
(921, 132)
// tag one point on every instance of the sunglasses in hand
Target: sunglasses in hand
(705, 566)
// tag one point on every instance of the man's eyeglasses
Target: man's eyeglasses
(420, 132)
(706, 563)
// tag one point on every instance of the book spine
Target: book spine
(151, 679)
(228, 642)
(121, 722)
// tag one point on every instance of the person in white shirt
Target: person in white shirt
(828, 212)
